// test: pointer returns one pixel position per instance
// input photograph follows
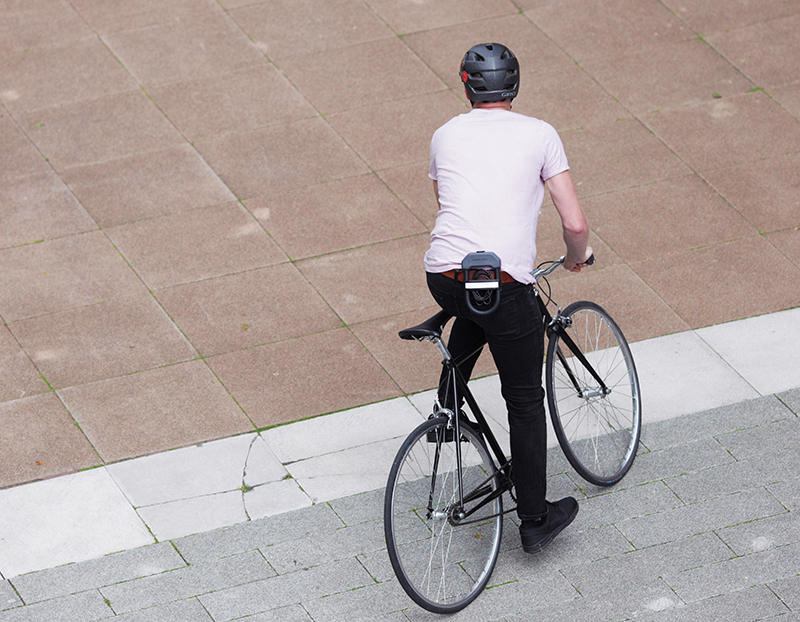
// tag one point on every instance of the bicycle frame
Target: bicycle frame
(453, 466)
(552, 324)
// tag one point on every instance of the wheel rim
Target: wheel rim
(599, 430)
(441, 563)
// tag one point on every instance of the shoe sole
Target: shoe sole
(542, 545)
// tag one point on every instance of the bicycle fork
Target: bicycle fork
(558, 325)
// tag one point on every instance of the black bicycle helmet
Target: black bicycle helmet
(490, 73)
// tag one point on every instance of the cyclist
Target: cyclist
(489, 168)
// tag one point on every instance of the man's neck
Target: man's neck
(501, 105)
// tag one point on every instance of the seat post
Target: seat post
(439, 342)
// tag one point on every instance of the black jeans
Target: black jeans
(515, 336)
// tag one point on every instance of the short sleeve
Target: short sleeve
(555, 159)
(432, 171)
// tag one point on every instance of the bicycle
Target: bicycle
(443, 507)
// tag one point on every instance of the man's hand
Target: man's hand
(573, 266)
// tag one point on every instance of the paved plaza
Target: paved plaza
(212, 221)
(704, 527)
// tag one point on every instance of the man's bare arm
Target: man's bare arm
(573, 220)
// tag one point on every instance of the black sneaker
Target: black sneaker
(559, 515)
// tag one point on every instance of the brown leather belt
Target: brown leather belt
(458, 275)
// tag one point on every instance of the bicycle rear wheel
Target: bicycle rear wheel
(442, 561)
(598, 429)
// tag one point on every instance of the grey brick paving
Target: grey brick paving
(325, 548)
(677, 460)
(626, 573)
(360, 605)
(359, 508)
(756, 603)
(703, 528)
(189, 581)
(788, 590)
(250, 536)
(722, 420)
(760, 535)
(537, 590)
(65, 580)
(625, 504)
(82, 607)
(788, 493)
(722, 480)
(377, 565)
(292, 613)
(189, 610)
(698, 518)
(286, 589)
(578, 609)
(757, 441)
(736, 574)
(791, 399)
(8, 596)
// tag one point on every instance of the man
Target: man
(490, 168)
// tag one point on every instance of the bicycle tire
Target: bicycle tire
(442, 566)
(599, 433)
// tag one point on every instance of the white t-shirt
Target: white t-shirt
(490, 166)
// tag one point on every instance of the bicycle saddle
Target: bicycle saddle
(432, 327)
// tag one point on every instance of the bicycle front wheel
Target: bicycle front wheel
(443, 552)
(597, 416)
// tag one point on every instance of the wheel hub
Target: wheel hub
(455, 515)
